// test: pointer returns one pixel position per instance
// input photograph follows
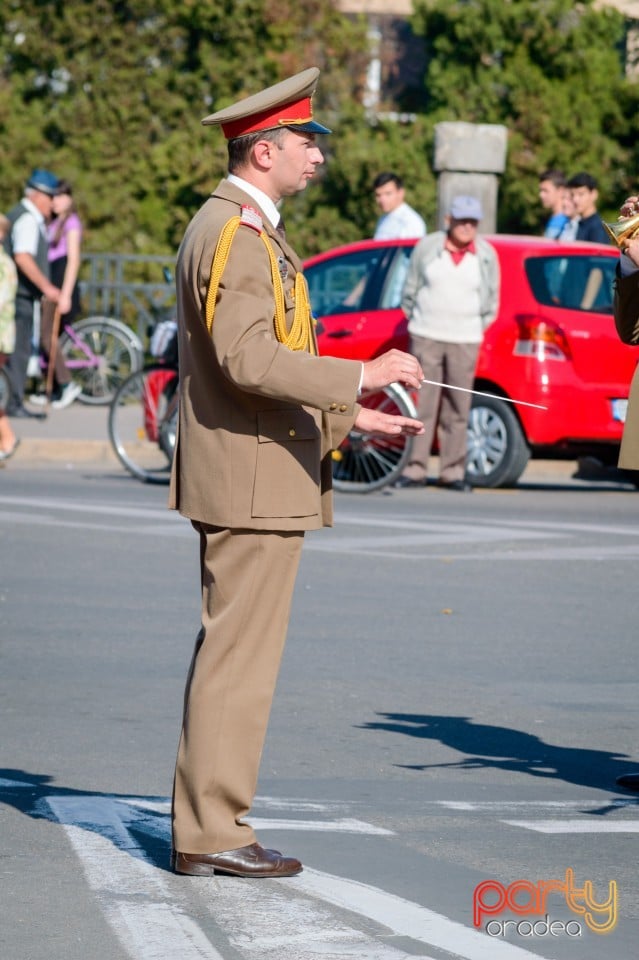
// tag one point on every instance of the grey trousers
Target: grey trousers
(446, 410)
(17, 363)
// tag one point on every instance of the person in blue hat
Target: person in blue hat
(27, 243)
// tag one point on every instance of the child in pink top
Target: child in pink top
(65, 238)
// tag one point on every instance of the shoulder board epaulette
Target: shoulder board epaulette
(250, 217)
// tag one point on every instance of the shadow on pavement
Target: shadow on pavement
(29, 792)
(502, 748)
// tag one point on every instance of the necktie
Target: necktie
(281, 229)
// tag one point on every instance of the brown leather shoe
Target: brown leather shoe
(251, 861)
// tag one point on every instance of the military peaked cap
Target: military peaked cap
(286, 104)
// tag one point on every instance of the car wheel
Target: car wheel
(497, 449)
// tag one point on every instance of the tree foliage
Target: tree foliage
(341, 206)
(552, 71)
(110, 94)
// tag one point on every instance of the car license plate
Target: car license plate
(619, 410)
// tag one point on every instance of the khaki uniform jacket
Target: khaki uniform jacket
(626, 307)
(257, 421)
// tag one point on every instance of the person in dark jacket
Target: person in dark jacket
(28, 245)
(584, 192)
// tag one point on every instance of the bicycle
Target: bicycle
(100, 352)
(367, 462)
(143, 422)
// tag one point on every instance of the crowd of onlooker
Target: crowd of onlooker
(573, 207)
(41, 241)
(451, 294)
(39, 268)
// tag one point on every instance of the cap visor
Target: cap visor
(311, 127)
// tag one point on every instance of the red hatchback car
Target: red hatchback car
(553, 343)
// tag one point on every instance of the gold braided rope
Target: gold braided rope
(300, 336)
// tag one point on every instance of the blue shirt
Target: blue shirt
(555, 225)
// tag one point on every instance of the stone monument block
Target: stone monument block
(468, 159)
(481, 185)
(470, 147)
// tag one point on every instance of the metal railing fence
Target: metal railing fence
(130, 287)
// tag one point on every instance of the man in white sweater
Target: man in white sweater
(450, 296)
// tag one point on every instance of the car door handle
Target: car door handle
(337, 334)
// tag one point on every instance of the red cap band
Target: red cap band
(292, 113)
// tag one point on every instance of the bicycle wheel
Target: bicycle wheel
(367, 462)
(100, 353)
(143, 422)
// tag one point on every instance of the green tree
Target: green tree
(341, 207)
(551, 71)
(110, 93)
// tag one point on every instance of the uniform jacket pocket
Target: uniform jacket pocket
(287, 474)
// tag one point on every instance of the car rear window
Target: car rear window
(576, 282)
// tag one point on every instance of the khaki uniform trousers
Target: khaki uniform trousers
(453, 363)
(247, 586)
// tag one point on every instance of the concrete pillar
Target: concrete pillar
(468, 158)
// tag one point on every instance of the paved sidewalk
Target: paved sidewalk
(76, 435)
(79, 434)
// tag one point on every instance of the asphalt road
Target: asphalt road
(458, 695)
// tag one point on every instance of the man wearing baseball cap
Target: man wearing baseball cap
(450, 295)
(28, 245)
(260, 413)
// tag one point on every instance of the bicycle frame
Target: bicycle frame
(99, 352)
(92, 360)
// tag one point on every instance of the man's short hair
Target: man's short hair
(583, 180)
(556, 177)
(239, 149)
(387, 177)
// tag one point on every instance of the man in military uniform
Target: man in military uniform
(260, 413)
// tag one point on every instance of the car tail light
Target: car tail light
(540, 338)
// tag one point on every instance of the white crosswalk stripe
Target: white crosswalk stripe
(392, 536)
(577, 826)
(315, 916)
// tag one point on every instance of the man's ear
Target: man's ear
(263, 153)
